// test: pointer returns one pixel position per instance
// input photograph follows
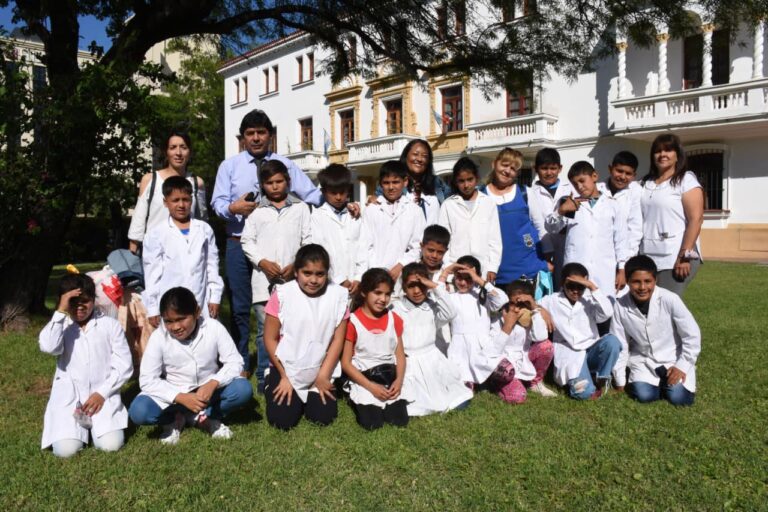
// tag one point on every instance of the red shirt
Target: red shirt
(374, 325)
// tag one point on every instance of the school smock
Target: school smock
(668, 336)
(339, 233)
(307, 325)
(596, 237)
(664, 219)
(629, 199)
(474, 230)
(541, 203)
(92, 359)
(575, 329)
(372, 349)
(521, 248)
(140, 224)
(274, 235)
(516, 345)
(431, 380)
(391, 233)
(173, 259)
(471, 346)
(430, 203)
(170, 366)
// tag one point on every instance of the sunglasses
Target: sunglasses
(575, 287)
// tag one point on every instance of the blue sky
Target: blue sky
(90, 29)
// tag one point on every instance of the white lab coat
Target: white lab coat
(340, 235)
(471, 337)
(629, 198)
(172, 259)
(668, 337)
(170, 366)
(431, 379)
(94, 359)
(597, 238)
(664, 219)
(575, 329)
(473, 231)
(516, 345)
(392, 234)
(541, 204)
(307, 325)
(274, 235)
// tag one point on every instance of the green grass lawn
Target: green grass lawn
(548, 454)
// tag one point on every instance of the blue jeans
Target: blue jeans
(262, 358)
(676, 395)
(238, 272)
(600, 359)
(145, 411)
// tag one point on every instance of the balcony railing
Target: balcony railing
(309, 161)
(719, 102)
(379, 149)
(512, 131)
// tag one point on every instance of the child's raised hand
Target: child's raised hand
(66, 297)
(524, 301)
(568, 205)
(283, 392)
(154, 321)
(380, 392)
(324, 388)
(270, 268)
(426, 283)
(582, 281)
(213, 310)
(191, 402)
(93, 405)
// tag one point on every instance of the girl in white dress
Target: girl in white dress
(474, 300)
(93, 364)
(373, 356)
(434, 382)
(303, 333)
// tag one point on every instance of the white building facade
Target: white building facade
(710, 89)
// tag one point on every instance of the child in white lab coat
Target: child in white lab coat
(393, 224)
(337, 230)
(272, 234)
(595, 229)
(664, 339)
(431, 379)
(190, 372)
(373, 357)
(583, 359)
(181, 252)
(303, 335)
(621, 185)
(93, 364)
(473, 221)
(475, 299)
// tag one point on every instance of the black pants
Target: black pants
(285, 416)
(371, 417)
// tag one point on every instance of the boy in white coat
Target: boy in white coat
(473, 221)
(93, 364)
(181, 252)
(271, 236)
(393, 225)
(663, 337)
(621, 185)
(583, 359)
(337, 230)
(190, 372)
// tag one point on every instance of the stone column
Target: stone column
(622, 46)
(706, 65)
(757, 50)
(663, 79)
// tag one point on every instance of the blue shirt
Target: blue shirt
(238, 175)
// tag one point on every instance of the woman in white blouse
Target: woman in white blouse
(673, 212)
(149, 211)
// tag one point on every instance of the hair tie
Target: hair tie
(71, 269)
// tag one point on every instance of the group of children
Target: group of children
(427, 326)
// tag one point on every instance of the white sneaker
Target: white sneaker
(542, 390)
(216, 428)
(172, 432)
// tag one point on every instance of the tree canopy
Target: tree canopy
(90, 123)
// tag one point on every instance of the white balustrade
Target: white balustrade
(379, 149)
(513, 130)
